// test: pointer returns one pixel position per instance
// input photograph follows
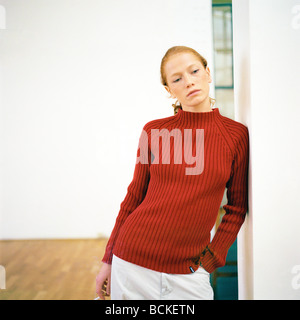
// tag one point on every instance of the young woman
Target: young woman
(160, 247)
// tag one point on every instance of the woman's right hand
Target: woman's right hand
(103, 281)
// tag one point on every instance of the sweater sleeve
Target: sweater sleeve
(214, 256)
(136, 192)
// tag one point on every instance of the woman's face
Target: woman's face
(188, 81)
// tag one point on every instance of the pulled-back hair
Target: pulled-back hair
(172, 51)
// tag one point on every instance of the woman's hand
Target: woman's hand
(103, 281)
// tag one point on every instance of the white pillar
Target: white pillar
(266, 35)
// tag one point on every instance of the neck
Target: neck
(198, 119)
(205, 106)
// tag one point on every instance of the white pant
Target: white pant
(132, 282)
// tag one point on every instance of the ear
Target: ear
(170, 92)
(209, 75)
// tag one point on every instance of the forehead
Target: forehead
(179, 62)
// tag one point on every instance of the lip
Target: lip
(193, 93)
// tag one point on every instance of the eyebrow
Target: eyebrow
(179, 73)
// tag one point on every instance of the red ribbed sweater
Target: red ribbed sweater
(165, 220)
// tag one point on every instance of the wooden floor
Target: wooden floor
(51, 269)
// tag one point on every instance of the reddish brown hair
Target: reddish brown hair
(176, 50)
(172, 51)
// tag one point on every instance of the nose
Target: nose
(188, 81)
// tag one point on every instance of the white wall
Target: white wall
(266, 61)
(80, 78)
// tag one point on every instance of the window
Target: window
(223, 56)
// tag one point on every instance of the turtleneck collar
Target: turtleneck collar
(197, 118)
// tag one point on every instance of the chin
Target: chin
(195, 103)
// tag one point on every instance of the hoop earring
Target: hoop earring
(212, 102)
(176, 106)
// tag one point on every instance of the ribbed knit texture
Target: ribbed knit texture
(165, 220)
